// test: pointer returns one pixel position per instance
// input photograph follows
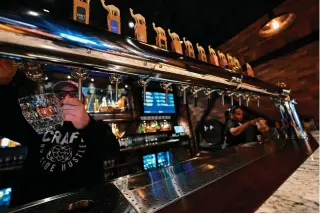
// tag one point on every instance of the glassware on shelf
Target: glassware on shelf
(116, 132)
(43, 112)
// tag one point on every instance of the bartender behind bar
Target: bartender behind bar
(58, 161)
(237, 131)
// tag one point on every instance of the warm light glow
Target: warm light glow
(131, 24)
(210, 166)
(69, 77)
(46, 78)
(32, 13)
(275, 24)
(126, 86)
(92, 80)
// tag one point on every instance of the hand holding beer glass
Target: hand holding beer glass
(43, 111)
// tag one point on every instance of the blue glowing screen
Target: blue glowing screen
(149, 162)
(5, 196)
(164, 159)
(156, 103)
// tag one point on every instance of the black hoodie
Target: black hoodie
(64, 160)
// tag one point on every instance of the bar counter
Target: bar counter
(237, 179)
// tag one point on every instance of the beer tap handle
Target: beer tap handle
(195, 100)
(166, 86)
(231, 100)
(116, 84)
(185, 96)
(79, 74)
(144, 83)
(144, 93)
(184, 88)
(239, 100)
(258, 102)
(222, 99)
(79, 88)
(116, 79)
(166, 95)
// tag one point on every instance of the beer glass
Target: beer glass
(43, 112)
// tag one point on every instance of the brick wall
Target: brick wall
(299, 68)
(248, 45)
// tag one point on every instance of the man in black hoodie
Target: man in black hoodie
(70, 157)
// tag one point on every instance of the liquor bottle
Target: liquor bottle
(81, 11)
(86, 104)
(96, 105)
(104, 105)
(140, 28)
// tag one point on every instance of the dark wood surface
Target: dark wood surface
(246, 189)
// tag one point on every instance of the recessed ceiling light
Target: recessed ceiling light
(131, 24)
(92, 80)
(276, 24)
(69, 77)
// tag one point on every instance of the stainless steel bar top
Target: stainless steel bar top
(168, 188)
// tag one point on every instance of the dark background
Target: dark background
(208, 22)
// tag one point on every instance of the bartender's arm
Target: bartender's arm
(7, 71)
(238, 130)
(13, 125)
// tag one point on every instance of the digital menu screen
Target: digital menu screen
(156, 103)
(149, 162)
(179, 129)
(164, 158)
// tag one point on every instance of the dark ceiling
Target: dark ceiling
(204, 21)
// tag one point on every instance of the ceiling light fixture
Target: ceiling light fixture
(276, 24)
(45, 10)
(32, 13)
(131, 24)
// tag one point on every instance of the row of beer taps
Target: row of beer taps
(34, 72)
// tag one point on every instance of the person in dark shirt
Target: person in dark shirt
(66, 159)
(235, 129)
